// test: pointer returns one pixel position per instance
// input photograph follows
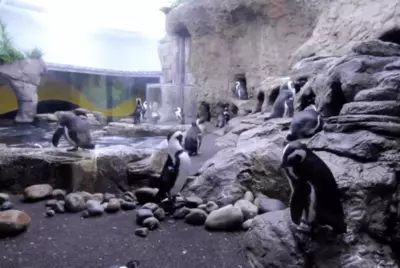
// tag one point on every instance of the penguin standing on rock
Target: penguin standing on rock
(223, 117)
(283, 105)
(176, 169)
(305, 124)
(144, 111)
(178, 115)
(193, 138)
(137, 114)
(75, 130)
(241, 91)
(315, 197)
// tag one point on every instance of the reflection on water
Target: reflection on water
(26, 135)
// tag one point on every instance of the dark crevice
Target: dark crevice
(345, 154)
(274, 94)
(182, 31)
(336, 102)
(392, 36)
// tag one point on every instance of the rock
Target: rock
(152, 206)
(60, 207)
(74, 202)
(6, 205)
(142, 232)
(211, 206)
(203, 207)
(4, 197)
(37, 192)
(50, 212)
(102, 170)
(46, 118)
(98, 197)
(249, 196)
(193, 201)
(94, 208)
(225, 218)
(142, 214)
(151, 223)
(145, 195)
(129, 196)
(51, 203)
(58, 194)
(181, 213)
(24, 76)
(113, 205)
(274, 232)
(159, 214)
(248, 209)
(125, 205)
(13, 222)
(253, 164)
(141, 130)
(85, 195)
(247, 224)
(196, 216)
(108, 197)
(85, 214)
(266, 204)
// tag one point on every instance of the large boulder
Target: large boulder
(24, 77)
(141, 130)
(100, 170)
(251, 163)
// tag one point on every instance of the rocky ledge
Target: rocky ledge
(358, 95)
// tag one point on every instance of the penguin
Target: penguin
(241, 91)
(81, 113)
(137, 114)
(305, 124)
(176, 169)
(178, 115)
(315, 196)
(283, 105)
(144, 111)
(155, 116)
(193, 138)
(75, 130)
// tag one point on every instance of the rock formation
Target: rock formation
(23, 77)
(358, 94)
(259, 38)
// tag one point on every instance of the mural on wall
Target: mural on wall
(114, 96)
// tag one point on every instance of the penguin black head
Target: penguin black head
(138, 101)
(293, 154)
(175, 135)
(133, 264)
(68, 118)
(80, 113)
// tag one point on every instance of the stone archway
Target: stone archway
(23, 77)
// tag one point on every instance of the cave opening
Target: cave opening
(241, 78)
(182, 31)
(338, 99)
(274, 94)
(392, 36)
(306, 99)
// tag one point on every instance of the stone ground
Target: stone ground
(68, 241)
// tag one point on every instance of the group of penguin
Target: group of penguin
(142, 109)
(315, 196)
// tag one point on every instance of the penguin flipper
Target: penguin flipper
(298, 202)
(57, 136)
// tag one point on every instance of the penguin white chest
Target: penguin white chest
(68, 138)
(183, 172)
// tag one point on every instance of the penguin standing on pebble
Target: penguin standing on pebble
(76, 131)
(137, 114)
(315, 198)
(176, 169)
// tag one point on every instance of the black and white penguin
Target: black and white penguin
(241, 91)
(178, 115)
(223, 117)
(144, 111)
(315, 197)
(305, 124)
(137, 114)
(75, 130)
(176, 169)
(193, 138)
(155, 115)
(283, 105)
